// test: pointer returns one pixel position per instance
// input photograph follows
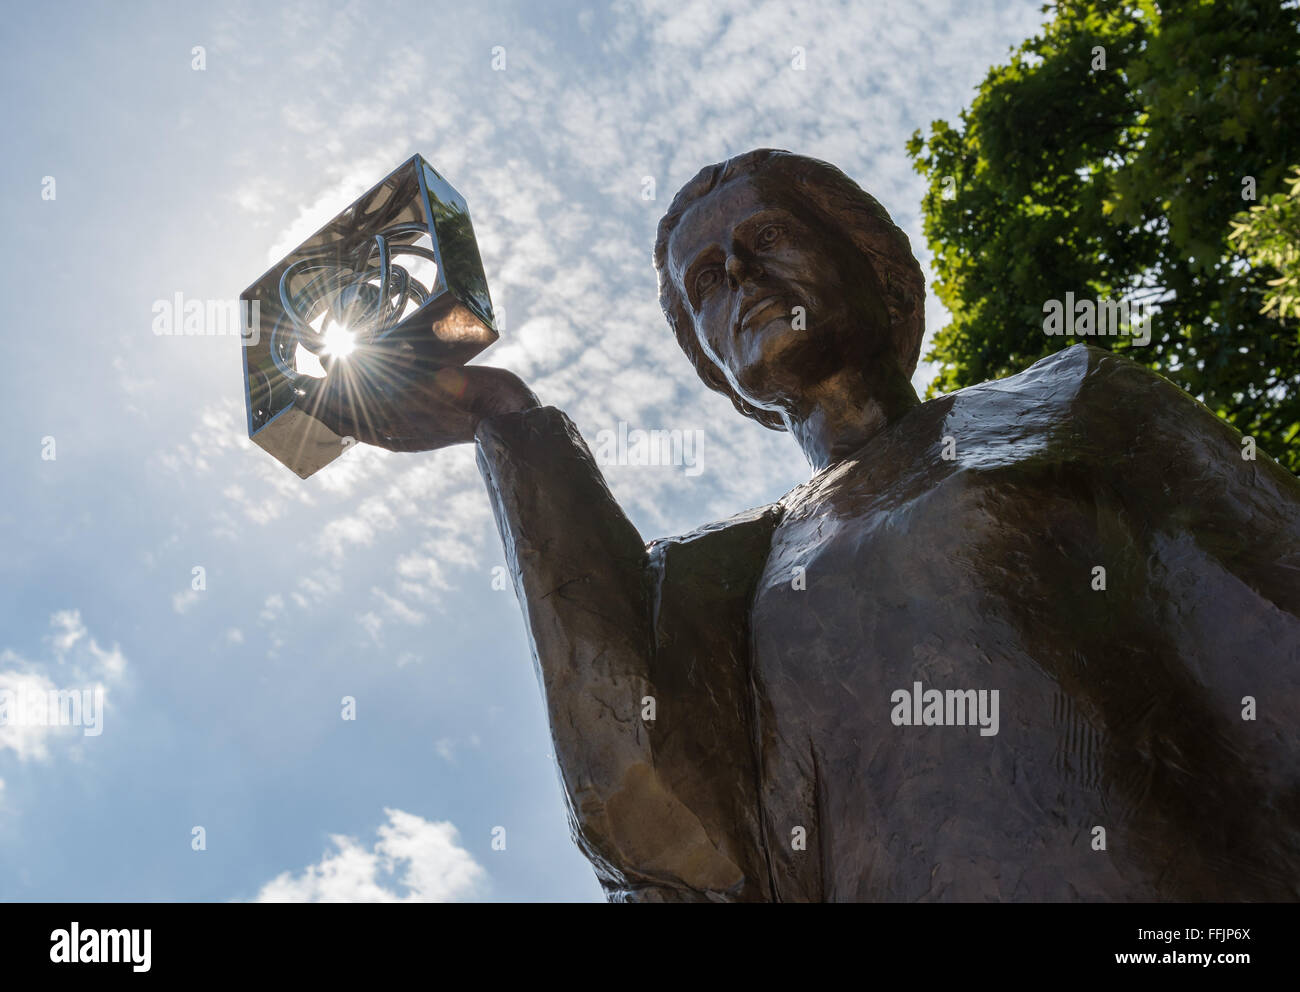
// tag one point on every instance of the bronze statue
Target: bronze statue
(1038, 639)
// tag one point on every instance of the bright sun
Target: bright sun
(339, 341)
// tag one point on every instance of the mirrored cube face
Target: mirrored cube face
(391, 287)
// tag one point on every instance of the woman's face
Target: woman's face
(778, 301)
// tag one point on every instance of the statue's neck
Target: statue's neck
(845, 410)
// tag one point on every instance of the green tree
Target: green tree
(1269, 236)
(1108, 158)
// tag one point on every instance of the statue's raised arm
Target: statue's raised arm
(641, 661)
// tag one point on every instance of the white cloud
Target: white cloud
(257, 196)
(68, 630)
(272, 607)
(372, 625)
(80, 668)
(396, 608)
(317, 586)
(337, 536)
(29, 741)
(414, 860)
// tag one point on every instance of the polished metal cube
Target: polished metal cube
(393, 282)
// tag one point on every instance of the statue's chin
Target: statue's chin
(776, 394)
(779, 361)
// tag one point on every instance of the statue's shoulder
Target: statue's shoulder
(1114, 419)
(1059, 384)
(744, 534)
(1082, 403)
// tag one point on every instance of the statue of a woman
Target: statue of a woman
(1038, 639)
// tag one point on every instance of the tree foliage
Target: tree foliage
(1269, 236)
(1108, 158)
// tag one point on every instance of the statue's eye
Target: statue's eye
(769, 236)
(706, 280)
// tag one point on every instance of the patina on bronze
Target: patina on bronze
(951, 545)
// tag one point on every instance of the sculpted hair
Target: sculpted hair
(837, 200)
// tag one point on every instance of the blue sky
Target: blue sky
(372, 579)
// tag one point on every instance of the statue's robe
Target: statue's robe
(1148, 729)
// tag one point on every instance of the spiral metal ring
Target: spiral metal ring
(349, 295)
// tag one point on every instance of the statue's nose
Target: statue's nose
(741, 269)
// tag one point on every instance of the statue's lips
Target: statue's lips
(750, 312)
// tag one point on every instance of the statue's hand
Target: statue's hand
(416, 412)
